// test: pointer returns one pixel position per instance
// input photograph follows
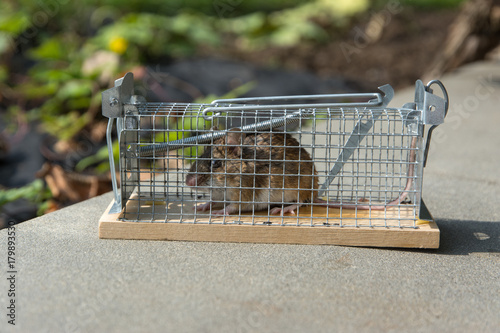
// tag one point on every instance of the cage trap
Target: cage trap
(341, 169)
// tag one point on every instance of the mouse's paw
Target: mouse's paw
(282, 211)
(220, 212)
(203, 207)
(228, 210)
(275, 211)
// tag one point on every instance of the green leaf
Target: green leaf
(79, 103)
(14, 23)
(100, 157)
(6, 42)
(193, 122)
(51, 49)
(51, 107)
(64, 126)
(170, 135)
(44, 74)
(34, 191)
(4, 74)
(75, 89)
(32, 90)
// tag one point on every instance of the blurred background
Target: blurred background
(57, 56)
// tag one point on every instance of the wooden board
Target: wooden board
(287, 230)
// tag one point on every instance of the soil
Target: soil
(403, 53)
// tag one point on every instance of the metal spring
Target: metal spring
(209, 137)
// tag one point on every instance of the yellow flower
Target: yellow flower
(118, 45)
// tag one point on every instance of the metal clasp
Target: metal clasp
(434, 108)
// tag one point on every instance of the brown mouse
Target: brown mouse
(256, 171)
(251, 172)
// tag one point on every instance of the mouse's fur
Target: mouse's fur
(253, 172)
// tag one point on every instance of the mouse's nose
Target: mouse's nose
(191, 180)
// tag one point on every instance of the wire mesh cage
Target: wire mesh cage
(321, 162)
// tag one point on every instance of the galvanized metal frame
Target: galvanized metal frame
(137, 123)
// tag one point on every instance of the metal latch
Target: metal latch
(433, 108)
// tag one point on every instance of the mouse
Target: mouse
(245, 172)
(253, 171)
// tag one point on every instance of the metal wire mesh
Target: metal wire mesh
(342, 166)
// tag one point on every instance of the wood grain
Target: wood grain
(282, 230)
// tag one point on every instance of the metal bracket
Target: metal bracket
(430, 109)
(433, 107)
(114, 98)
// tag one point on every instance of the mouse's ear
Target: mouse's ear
(234, 141)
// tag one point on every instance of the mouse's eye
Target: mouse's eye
(216, 164)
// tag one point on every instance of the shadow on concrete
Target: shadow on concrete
(466, 237)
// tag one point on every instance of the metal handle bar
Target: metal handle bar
(295, 97)
(376, 100)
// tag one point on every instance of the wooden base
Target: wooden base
(426, 235)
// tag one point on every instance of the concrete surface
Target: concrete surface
(68, 280)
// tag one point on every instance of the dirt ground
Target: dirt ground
(399, 54)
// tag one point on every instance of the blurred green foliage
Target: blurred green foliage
(76, 49)
(100, 159)
(35, 192)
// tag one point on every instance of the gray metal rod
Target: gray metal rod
(240, 100)
(359, 132)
